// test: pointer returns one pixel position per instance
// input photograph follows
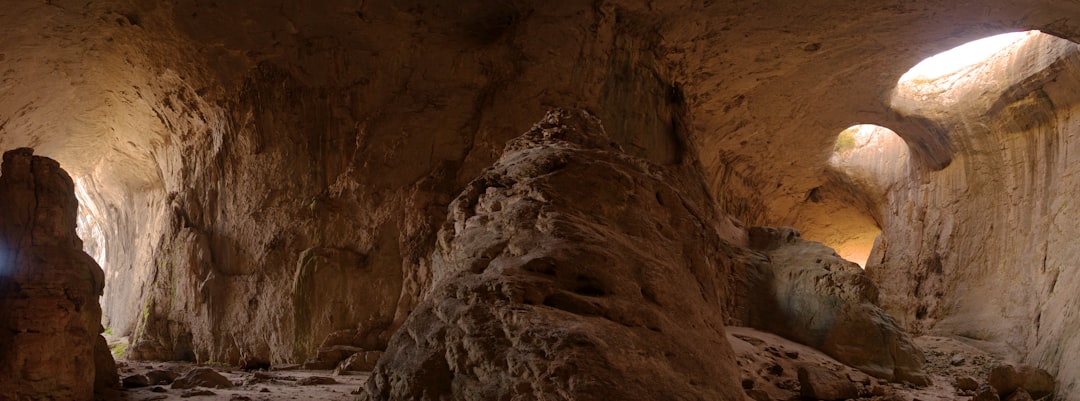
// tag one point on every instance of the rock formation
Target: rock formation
(569, 270)
(50, 318)
(806, 293)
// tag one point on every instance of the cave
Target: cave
(512, 199)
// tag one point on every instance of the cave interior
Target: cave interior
(513, 199)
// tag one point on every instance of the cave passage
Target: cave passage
(306, 185)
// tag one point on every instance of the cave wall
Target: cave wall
(266, 175)
(304, 197)
(982, 248)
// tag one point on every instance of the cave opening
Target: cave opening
(935, 98)
(963, 57)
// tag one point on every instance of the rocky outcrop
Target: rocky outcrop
(805, 292)
(50, 319)
(569, 270)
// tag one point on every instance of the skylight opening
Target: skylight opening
(964, 56)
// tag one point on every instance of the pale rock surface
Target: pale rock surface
(567, 271)
(50, 319)
(985, 248)
(806, 293)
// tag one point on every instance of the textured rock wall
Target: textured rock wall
(984, 248)
(50, 319)
(569, 270)
(306, 201)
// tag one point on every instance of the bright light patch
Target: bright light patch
(88, 225)
(964, 56)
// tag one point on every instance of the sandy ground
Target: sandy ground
(270, 385)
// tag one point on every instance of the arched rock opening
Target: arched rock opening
(987, 224)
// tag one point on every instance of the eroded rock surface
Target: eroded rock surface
(50, 319)
(568, 270)
(805, 292)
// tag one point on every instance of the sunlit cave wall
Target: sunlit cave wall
(985, 248)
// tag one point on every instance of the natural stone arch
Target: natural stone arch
(845, 212)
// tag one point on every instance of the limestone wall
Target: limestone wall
(982, 248)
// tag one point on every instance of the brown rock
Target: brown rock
(826, 302)
(966, 383)
(986, 393)
(329, 357)
(361, 361)
(553, 264)
(106, 375)
(157, 376)
(1019, 395)
(50, 318)
(136, 381)
(1008, 378)
(820, 384)
(758, 395)
(202, 377)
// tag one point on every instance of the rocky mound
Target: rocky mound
(808, 294)
(569, 270)
(50, 319)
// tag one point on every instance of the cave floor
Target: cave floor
(769, 361)
(277, 384)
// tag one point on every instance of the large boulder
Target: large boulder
(50, 319)
(810, 295)
(1007, 379)
(202, 377)
(569, 270)
(818, 383)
